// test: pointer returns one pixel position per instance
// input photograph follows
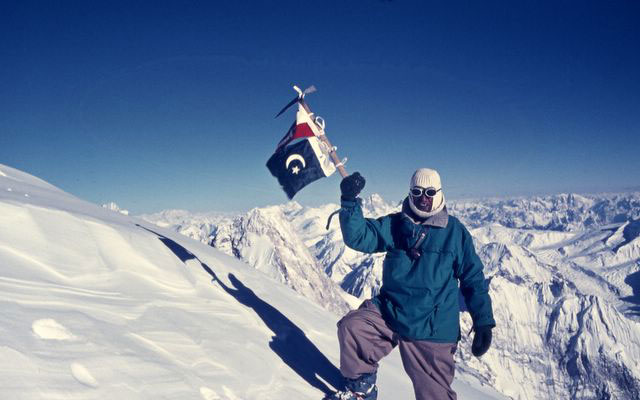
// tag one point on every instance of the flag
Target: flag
(298, 164)
(304, 126)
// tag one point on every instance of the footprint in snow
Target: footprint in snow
(82, 375)
(50, 329)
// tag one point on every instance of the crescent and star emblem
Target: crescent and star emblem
(293, 157)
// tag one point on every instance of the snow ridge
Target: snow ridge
(267, 242)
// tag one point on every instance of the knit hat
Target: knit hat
(425, 178)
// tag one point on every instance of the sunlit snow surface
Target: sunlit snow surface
(94, 306)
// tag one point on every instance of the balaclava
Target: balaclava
(424, 178)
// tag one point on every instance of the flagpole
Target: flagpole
(323, 137)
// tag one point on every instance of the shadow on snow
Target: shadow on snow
(633, 280)
(289, 342)
(630, 233)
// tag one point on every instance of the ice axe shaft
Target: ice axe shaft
(332, 153)
(334, 157)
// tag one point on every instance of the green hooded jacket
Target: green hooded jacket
(420, 299)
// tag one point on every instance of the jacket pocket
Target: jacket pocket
(396, 269)
(433, 270)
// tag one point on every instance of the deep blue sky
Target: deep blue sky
(159, 105)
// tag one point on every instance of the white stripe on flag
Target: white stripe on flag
(323, 156)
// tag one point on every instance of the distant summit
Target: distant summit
(114, 207)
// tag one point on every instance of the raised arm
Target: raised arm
(362, 234)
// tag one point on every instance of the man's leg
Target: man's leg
(431, 368)
(364, 340)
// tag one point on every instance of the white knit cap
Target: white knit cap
(425, 178)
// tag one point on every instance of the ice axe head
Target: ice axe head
(299, 97)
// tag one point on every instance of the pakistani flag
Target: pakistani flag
(298, 164)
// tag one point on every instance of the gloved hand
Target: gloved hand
(481, 340)
(351, 186)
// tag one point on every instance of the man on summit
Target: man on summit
(428, 254)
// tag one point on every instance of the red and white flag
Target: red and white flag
(304, 126)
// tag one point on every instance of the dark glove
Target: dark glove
(351, 186)
(481, 340)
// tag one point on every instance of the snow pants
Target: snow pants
(365, 339)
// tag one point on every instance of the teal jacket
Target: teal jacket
(419, 299)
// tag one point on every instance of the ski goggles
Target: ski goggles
(417, 191)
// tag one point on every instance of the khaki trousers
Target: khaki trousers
(365, 339)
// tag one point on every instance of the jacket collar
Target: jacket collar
(439, 220)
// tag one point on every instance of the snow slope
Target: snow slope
(97, 304)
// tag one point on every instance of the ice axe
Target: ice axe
(319, 132)
(320, 124)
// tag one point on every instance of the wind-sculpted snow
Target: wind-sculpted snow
(564, 277)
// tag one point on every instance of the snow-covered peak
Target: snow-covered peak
(291, 207)
(114, 207)
(198, 226)
(374, 206)
(266, 240)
